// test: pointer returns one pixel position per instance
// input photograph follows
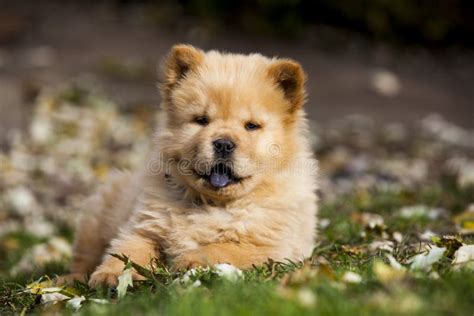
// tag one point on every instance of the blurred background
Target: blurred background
(391, 60)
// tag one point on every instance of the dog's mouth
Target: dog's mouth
(220, 175)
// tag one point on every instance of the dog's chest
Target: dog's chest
(211, 226)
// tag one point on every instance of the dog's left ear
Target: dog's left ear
(290, 78)
(181, 60)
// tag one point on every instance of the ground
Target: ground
(119, 50)
(396, 220)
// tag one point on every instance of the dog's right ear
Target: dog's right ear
(180, 61)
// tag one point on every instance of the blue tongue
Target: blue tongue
(219, 180)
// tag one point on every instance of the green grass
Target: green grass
(317, 286)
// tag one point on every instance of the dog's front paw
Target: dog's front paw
(105, 278)
(70, 279)
(190, 260)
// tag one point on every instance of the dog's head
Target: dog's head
(232, 119)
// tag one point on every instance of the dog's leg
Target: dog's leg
(240, 255)
(88, 250)
(138, 248)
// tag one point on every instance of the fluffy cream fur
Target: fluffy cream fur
(169, 211)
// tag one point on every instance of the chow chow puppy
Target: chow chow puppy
(230, 178)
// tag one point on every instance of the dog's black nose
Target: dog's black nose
(223, 147)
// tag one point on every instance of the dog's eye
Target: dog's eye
(252, 126)
(202, 120)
